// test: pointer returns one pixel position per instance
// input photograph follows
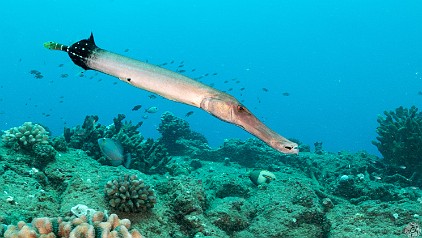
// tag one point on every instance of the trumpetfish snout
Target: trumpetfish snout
(173, 86)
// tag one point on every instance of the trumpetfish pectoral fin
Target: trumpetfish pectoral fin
(173, 86)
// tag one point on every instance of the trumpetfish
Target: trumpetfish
(173, 86)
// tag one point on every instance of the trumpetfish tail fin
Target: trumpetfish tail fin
(78, 52)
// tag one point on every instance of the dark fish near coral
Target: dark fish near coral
(152, 110)
(139, 124)
(136, 108)
(188, 114)
(113, 150)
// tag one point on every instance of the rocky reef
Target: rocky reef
(241, 189)
(399, 141)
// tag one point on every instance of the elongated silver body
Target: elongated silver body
(173, 86)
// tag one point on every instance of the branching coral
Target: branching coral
(129, 194)
(177, 136)
(400, 137)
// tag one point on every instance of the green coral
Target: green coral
(33, 139)
(400, 138)
(129, 194)
(25, 136)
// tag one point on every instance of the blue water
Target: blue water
(342, 62)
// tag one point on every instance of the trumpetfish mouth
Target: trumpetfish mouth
(173, 86)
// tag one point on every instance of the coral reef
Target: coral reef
(177, 136)
(98, 225)
(400, 140)
(33, 139)
(129, 194)
(147, 156)
(25, 136)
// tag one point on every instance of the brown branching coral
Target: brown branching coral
(400, 138)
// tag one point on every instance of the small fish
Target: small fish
(164, 64)
(145, 116)
(64, 75)
(214, 74)
(152, 96)
(152, 110)
(226, 81)
(193, 70)
(114, 83)
(377, 177)
(61, 65)
(139, 124)
(136, 108)
(230, 89)
(285, 94)
(206, 74)
(402, 167)
(182, 71)
(39, 76)
(420, 93)
(241, 89)
(181, 66)
(172, 62)
(34, 71)
(126, 50)
(265, 89)
(188, 114)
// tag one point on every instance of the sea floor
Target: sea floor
(313, 195)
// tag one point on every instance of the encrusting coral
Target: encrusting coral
(129, 194)
(400, 138)
(98, 225)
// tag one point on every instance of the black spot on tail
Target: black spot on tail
(80, 51)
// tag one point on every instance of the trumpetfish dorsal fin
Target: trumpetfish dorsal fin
(81, 50)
